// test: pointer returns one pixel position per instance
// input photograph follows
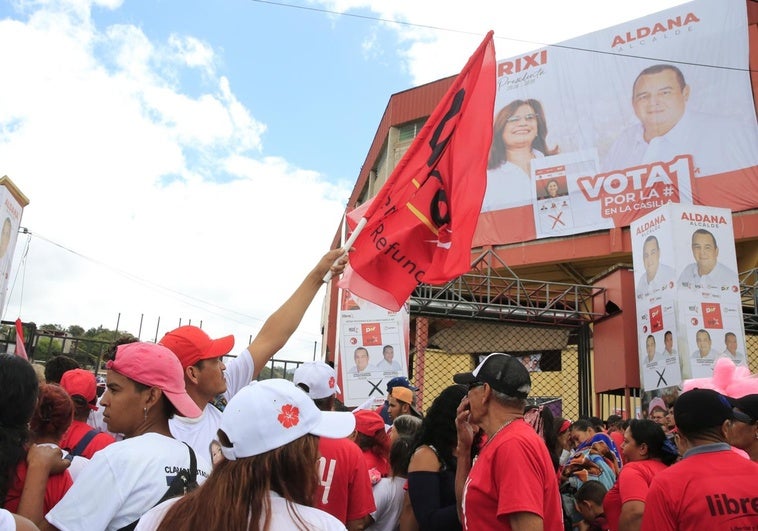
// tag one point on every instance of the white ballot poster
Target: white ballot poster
(373, 348)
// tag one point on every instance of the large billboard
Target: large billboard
(597, 131)
(689, 311)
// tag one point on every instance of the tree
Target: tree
(75, 330)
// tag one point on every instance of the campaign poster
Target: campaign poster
(12, 203)
(708, 290)
(655, 289)
(605, 128)
(373, 348)
(688, 296)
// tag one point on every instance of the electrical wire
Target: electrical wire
(511, 39)
(190, 300)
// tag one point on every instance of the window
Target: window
(410, 130)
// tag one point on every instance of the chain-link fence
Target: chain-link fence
(551, 354)
(562, 375)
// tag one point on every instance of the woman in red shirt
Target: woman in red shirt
(19, 392)
(646, 451)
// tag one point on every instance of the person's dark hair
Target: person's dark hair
(705, 232)
(651, 239)
(110, 353)
(438, 427)
(597, 423)
(400, 456)
(244, 485)
(324, 404)
(53, 414)
(613, 421)
(548, 432)
(378, 444)
(582, 425)
(657, 69)
(593, 491)
(651, 433)
(19, 389)
(55, 367)
(703, 331)
(498, 150)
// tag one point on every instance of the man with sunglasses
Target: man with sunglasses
(512, 484)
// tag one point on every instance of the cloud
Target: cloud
(435, 40)
(162, 193)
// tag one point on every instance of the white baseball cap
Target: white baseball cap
(319, 379)
(272, 413)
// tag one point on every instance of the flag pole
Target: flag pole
(348, 244)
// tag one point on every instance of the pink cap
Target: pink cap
(155, 366)
(658, 403)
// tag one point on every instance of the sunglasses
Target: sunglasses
(739, 416)
(475, 384)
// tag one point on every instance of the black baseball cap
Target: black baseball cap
(747, 407)
(502, 372)
(400, 381)
(698, 410)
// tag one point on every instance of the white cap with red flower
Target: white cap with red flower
(273, 413)
(317, 379)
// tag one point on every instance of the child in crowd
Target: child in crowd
(588, 501)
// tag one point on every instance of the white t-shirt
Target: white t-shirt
(388, 497)
(508, 186)
(7, 523)
(281, 519)
(707, 138)
(663, 276)
(200, 432)
(122, 482)
(737, 359)
(386, 366)
(720, 278)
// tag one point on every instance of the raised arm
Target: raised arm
(278, 328)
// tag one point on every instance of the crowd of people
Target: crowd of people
(159, 450)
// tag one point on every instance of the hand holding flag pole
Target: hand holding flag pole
(347, 246)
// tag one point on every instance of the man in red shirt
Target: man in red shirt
(345, 490)
(512, 484)
(80, 438)
(712, 487)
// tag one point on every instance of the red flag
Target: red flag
(421, 223)
(20, 348)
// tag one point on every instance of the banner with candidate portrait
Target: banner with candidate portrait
(603, 129)
(12, 203)
(689, 312)
(372, 348)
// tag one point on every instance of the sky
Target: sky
(189, 161)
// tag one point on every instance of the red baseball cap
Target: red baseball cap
(191, 344)
(155, 366)
(368, 422)
(78, 382)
